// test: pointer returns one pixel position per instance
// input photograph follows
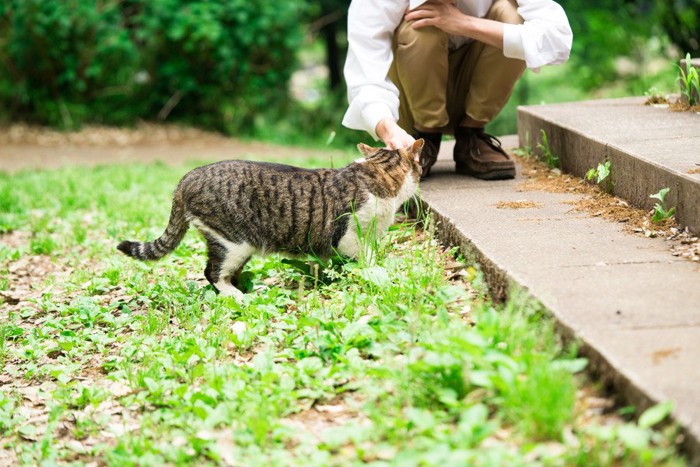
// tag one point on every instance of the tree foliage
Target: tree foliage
(57, 56)
(69, 61)
(681, 21)
(605, 30)
(226, 63)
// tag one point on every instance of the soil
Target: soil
(31, 147)
(679, 106)
(518, 205)
(597, 203)
(675, 105)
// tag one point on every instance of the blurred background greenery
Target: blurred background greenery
(273, 70)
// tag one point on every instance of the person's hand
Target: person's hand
(442, 14)
(393, 135)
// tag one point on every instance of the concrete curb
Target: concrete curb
(653, 149)
(600, 366)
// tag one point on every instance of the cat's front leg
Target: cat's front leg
(359, 249)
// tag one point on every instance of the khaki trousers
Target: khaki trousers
(439, 88)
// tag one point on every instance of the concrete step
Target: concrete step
(634, 307)
(649, 148)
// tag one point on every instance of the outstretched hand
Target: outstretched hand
(393, 135)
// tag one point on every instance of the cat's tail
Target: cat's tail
(171, 238)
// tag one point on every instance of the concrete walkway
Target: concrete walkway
(649, 147)
(634, 307)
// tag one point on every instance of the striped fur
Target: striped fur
(244, 208)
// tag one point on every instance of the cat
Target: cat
(243, 208)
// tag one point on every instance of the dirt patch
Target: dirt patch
(28, 277)
(542, 178)
(695, 171)
(33, 147)
(683, 243)
(598, 203)
(102, 136)
(518, 205)
(657, 99)
(15, 240)
(320, 418)
(671, 102)
(660, 355)
(679, 106)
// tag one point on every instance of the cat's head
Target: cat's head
(407, 158)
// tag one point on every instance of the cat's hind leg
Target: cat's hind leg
(225, 262)
(225, 265)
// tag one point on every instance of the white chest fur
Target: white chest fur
(372, 220)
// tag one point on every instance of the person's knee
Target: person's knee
(505, 11)
(427, 39)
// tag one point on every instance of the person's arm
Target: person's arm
(373, 98)
(544, 39)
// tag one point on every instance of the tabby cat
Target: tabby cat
(244, 208)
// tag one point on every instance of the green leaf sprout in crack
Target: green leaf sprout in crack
(661, 211)
(654, 96)
(526, 150)
(600, 173)
(602, 176)
(690, 82)
(551, 159)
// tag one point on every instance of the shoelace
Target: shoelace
(491, 140)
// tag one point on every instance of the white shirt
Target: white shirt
(545, 38)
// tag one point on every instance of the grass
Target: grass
(404, 361)
(690, 82)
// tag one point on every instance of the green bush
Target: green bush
(222, 61)
(63, 62)
(212, 62)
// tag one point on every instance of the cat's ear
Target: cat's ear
(417, 148)
(366, 150)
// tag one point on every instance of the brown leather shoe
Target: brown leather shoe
(431, 148)
(480, 155)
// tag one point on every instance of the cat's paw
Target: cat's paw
(228, 290)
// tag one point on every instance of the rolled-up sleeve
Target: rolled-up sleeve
(371, 95)
(544, 38)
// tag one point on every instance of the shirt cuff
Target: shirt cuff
(513, 46)
(373, 113)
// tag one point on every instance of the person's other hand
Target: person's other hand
(393, 135)
(443, 15)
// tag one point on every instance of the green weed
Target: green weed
(600, 173)
(661, 211)
(602, 176)
(690, 82)
(546, 153)
(526, 151)
(654, 96)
